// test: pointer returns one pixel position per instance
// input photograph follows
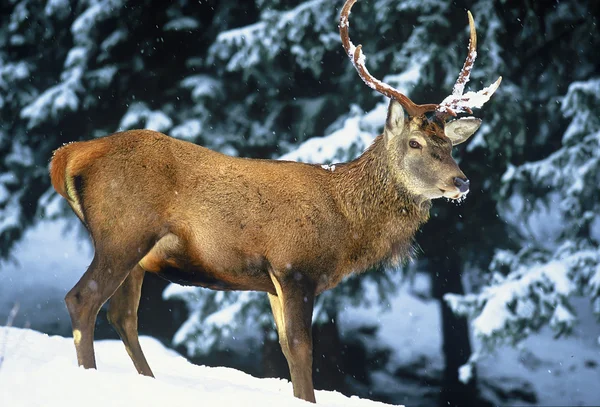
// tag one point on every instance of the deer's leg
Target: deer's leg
(84, 300)
(278, 317)
(123, 316)
(292, 309)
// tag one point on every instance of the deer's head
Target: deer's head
(419, 147)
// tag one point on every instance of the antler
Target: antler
(457, 102)
(450, 106)
(358, 60)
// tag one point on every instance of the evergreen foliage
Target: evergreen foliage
(268, 78)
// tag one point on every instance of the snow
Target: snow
(465, 373)
(408, 78)
(470, 100)
(11, 213)
(595, 229)
(158, 121)
(292, 16)
(495, 314)
(19, 15)
(12, 72)
(113, 39)
(359, 63)
(50, 261)
(135, 114)
(65, 101)
(86, 22)
(584, 121)
(59, 8)
(576, 92)
(207, 326)
(182, 24)
(102, 77)
(54, 102)
(335, 146)
(559, 372)
(42, 370)
(76, 56)
(562, 315)
(188, 130)
(237, 36)
(459, 86)
(344, 21)
(202, 86)
(4, 194)
(139, 115)
(244, 47)
(20, 154)
(407, 324)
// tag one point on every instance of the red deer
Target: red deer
(155, 204)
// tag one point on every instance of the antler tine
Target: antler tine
(465, 72)
(458, 102)
(358, 60)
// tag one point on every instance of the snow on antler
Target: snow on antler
(458, 102)
(459, 86)
(358, 60)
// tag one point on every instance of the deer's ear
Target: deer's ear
(460, 130)
(394, 124)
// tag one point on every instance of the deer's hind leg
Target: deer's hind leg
(112, 263)
(123, 316)
(85, 300)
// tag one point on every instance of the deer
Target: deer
(156, 204)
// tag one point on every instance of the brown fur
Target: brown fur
(156, 204)
(58, 169)
(229, 219)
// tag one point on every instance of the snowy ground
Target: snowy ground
(41, 370)
(558, 372)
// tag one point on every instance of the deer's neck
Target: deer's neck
(379, 208)
(368, 188)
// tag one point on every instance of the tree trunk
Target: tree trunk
(456, 344)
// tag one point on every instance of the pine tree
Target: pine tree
(269, 79)
(552, 205)
(548, 195)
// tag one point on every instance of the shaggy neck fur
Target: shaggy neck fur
(382, 213)
(368, 187)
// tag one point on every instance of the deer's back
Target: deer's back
(226, 214)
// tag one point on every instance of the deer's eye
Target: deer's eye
(414, 144)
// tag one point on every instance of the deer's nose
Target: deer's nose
(462, 184)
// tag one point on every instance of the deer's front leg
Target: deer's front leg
(292, 308)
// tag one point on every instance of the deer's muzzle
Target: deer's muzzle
(462, 184)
